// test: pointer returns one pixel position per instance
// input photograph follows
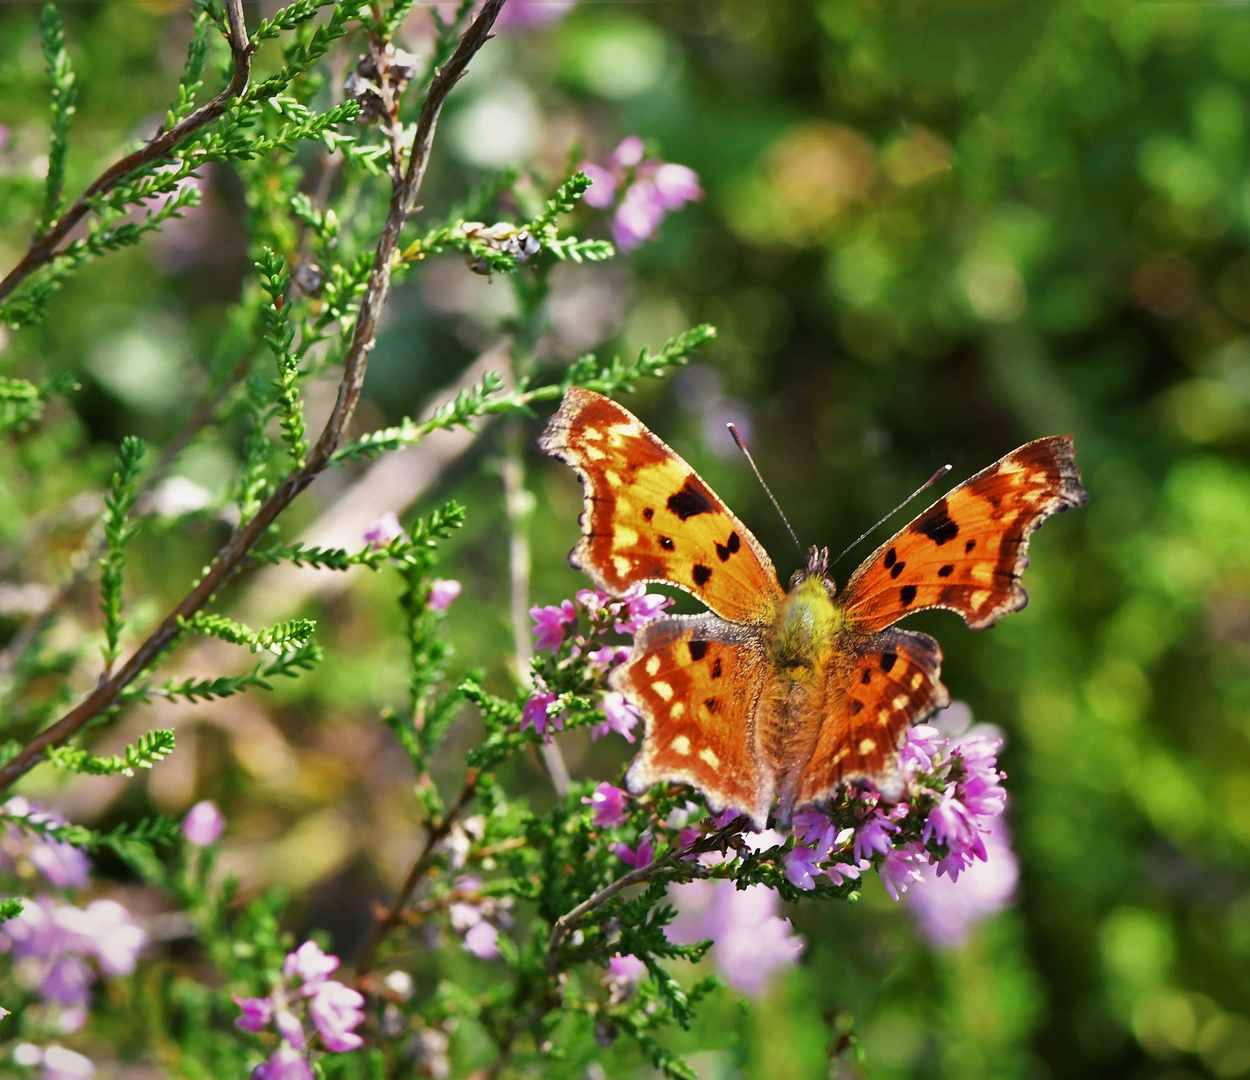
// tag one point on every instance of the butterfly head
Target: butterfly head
(817, 567)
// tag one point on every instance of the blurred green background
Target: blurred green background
(931, 231)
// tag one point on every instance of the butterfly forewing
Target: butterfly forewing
(649, 516)
(967, 551)
(697, 681)
(877, 687)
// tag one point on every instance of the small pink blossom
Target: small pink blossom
(602, 188)
(610, 806)
(289, 1027)
(257, 1013)
(285, 1063)
(442, 592)
(203, 824)
(676, 185)
(62, 1064)
(899, 869)
(310, 964)
(628, 153)
(644, 190)
(549, 624)
(873, 837)
(384, 530)
(482, 940)
(537, 714)
(621, 717)
(335, 1010)
(641, 856)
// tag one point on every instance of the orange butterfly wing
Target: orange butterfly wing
(967, 551)
(877, 687)
(648, 515)
(697, 680)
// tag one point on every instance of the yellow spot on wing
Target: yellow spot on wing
(680, 745)
(710, 757)
(613, 478)
(867, 746)
(621, 565)
(594, 453)
(653, 664)
(899, 701)
(623, 536)
(916, 680)
(677, 711)
(663, 689)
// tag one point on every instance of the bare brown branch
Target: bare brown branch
(235, 551)
(44, 248)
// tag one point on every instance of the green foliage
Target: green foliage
(118, 500)
(64, 93)
(148, 751)
(281, 334)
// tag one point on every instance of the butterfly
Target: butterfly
(787, 695)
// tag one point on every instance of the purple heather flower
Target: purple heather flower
(947, 911)
(285, 1063)
(610, 806)
(642, 856)
(676, 185)
(899, 869)
(203, 824)
(68, 982)
(529, 14)
(642, 607)
(638, 215)
(442, 592)
(482, 941)
(839, 873)
(949, 822)
(628, 153)
(257, 1012)
(919, 749)
(64, 865)
(602, 188)
(873, 836)
(624, 974)
(335, 1010)
(549, 624)
(289, 1027)
(801, 867)
(310, 964)
(750, 941)
(382, 531)
(537, 714)
(621, 716)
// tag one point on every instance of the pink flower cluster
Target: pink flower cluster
(556, 629)
(475, 916)
(57, 949)
(65, 866)
(333, 1008)
(644, 190)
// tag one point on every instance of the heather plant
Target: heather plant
(540, 932)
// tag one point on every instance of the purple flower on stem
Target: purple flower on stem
(647, 190)
(284, 1063)
(641, 856)
(203, 824)
(442, 592)
(623, 977)
(621, 718)
(899, 869)
(62, 1064)
(310, 964)
(641, 607)
(64, 865)
(610, 806)
(537, 714)
(382, 531)
(920, 748)
(335, 1010)
(801, 867)
(549, 624)
(482, 941)
(289, 1027)
(873, 836)
(257, 1013)
(839, 873)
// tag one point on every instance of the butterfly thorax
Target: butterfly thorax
(804, 629)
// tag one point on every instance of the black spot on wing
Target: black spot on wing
(729, 547)
(711, 704)
(936, 524)
(690, 500)
(856, 706)
(907, 594)
(698, 650)
(946, 570)
(890, 557)
(666, 543)
(969, 545)
(866, 677)
(648, 513)
(897, 568)
(701, 574)
(888, 661)
(716, 668)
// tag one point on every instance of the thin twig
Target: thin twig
(85, 558)
(43, 248)
(394, 916)
(712, 842)
(517, 504)
(234, 552)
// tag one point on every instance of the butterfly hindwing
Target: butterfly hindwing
(648, 515)
(967, 551)
(878, 686)
(697, 681)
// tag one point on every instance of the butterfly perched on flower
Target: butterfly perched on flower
(787, 695)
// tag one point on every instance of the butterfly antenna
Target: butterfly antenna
(923, 487)
(755, 469)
